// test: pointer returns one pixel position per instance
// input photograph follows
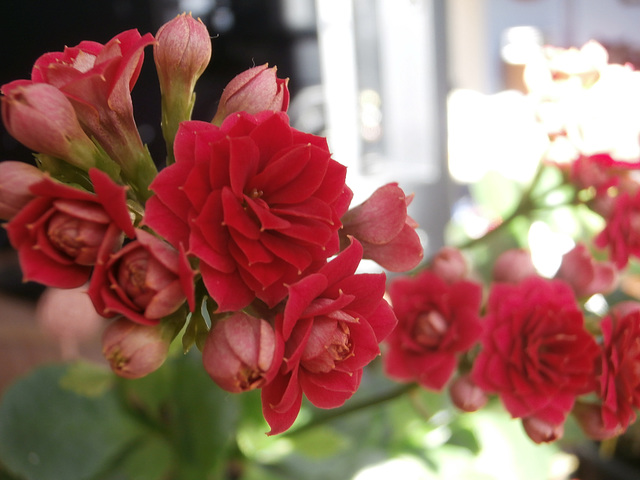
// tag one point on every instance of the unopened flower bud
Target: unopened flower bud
(43, 119)
(253, 91)
(15, 180)
(67, 315)
(513, 266)
(239, 352)
(589, 417)
(541, 431)
(134, 350)
(449, 264)
(585, 275)
(466, 395)
(182, 52)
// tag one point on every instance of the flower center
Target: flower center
(430, 328)
(132, 277)
(77, 238)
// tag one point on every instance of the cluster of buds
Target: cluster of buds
(245, 241)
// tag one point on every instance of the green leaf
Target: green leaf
(151, 459)
(88, 379)
(320, 442)
(50, 433)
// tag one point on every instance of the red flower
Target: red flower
(620, 375)
(536, 353)
(622, 232)
(386, 232)
(332, 324)
(436, 322)
(144, 281)
(59, 232)
(98, 80)
(258, 202)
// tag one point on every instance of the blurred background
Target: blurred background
(422, 92)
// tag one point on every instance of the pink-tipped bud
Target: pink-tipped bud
(513, 266)
(589, 417)
(68, 316)
(254, 90)
(466, 395)
(182, 52)
(43, 119)
(541, 431)
(586, 275)
(450, 265)
(134, 350)
(239, 352)
(15, 180)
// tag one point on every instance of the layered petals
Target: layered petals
(255, 201)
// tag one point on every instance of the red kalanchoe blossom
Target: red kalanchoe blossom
(621, 235)
(536, 353)
(240, 353)
(620, 369)
(599, 171)
(449, 264)
(254, 90)
(256, 201)
(58, 234)
(16, 179)
(98, 80)
(145, 281)
(384, 229)
(331, 327)
(436, 322)
(586, 275)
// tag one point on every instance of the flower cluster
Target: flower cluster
(244, 241)
(533, 341)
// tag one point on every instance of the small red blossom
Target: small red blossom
(256, 201)
(536, 353)
(436, 322)
(384, 229)
(620, 369)
(513, 266)
(621, 235)
(331, 327)
(145, 281)
(98, 80)
(59, 232)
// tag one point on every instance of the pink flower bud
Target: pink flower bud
(134, 350)
(541, 431)
(67, 315)
(513, 265)
(239, 353)
(254, 90)
(384, 229)
(15, 180)
(589, 417)
(450, 265)
(585, 275)
(43, 119)
(466, 395)
(182, 52)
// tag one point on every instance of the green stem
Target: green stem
(355, 407)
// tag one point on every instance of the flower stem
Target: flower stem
(355, 407)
